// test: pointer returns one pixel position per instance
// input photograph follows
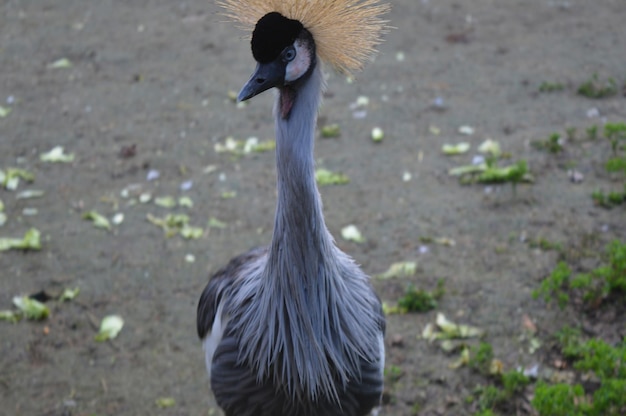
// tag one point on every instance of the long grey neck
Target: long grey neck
(300, 331)
(301, 242)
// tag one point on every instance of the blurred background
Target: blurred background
(502, 154)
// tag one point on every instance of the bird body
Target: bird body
(294, 329)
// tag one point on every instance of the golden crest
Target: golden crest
(346, 32)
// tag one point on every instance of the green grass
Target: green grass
(558, 400)
(615, 133)
(551, 86)
(418, 300)
(593, 287)
(556, 285)
(553, 144)
(596, 88)
(600, 364)
(545, 245)
(607, 363)
(481, 357)
(505, 387)
(610, 199)
(592, 132)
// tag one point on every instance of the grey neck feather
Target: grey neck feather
(300, 234)
(307, 314)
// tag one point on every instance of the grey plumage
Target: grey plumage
(300, 326)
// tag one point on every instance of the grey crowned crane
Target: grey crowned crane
(295, 329)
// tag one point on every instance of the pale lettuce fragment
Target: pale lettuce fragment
(31, 308)
(110, 327)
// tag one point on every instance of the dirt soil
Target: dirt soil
(148, 89)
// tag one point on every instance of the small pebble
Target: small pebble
(359, 115)
(185, 186)
(575, 176)
(145, 197)
(466, 130)
(532, 372)
(438, 103)
(152, 175)
(362, 101)
(397, 340)
(29, 212)
(593, 112)
(478, 160)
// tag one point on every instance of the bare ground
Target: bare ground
(155, 75)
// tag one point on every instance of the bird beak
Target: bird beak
(265, 76)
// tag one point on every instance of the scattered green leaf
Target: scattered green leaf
(490, 147)
(253, 145)
(378, 134)
(11, 177)
(463, 359)
(165, 201)
(31, 308)
(30, 241)
(450, 330)
(515, 173)
(455, 149)
(57, 155)
(98, 220)
(29, 193)
(185, 201)
(69, 294)
(239, 147)
(351, 233)
(60, 63)
(110, 327)
(215, 223)
(10, 316)
(467, 169)
(331, 131)
(228, 194)
(189, 232)
(401, 269)
(4, 111)
(165, 402)
(325, 177)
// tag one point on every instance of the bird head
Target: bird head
(346, 33)
(284, 51)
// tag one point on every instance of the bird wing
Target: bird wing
(216, 287)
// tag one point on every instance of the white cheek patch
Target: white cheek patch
(300, 64)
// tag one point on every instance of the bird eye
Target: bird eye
(289, 54)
